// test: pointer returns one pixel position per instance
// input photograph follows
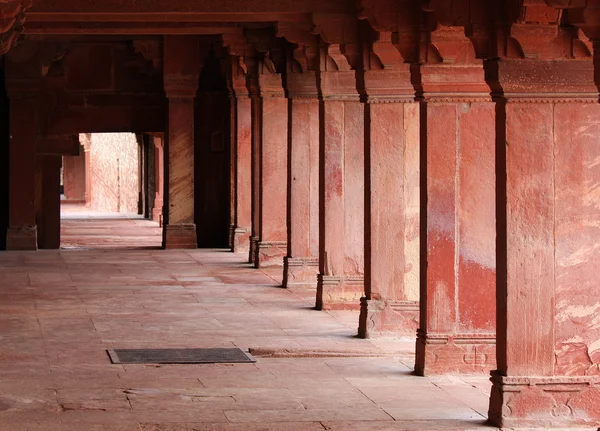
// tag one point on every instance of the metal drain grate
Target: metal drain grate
(179, 356)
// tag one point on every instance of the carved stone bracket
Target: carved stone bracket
(12, 18)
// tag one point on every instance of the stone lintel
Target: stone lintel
(269, 253)
(389, 86)
(339, 292)
(339, 85)
(388, 318)
(300, 272)
(544, 402)
(455, 353)
(21, 238)
(181, 236)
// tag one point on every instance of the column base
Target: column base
(300, 272)
(180, 236)
(454, 353)
(339, 292)
(22, 238)
(379, 318)
(240, 240)
(269, 253)
(544, 402)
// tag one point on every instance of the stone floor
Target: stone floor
(84, 229)
(61, 310)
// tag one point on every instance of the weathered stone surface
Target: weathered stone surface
(392, 222)
(458, 240)
(243, 175)
(181, 83)
(271, 247)
(341, 277)
(301, 263)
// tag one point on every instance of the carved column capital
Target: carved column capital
(387, 75)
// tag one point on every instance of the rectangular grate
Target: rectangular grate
(179, 356)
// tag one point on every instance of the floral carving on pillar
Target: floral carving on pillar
(12, 17)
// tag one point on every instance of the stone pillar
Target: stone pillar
(457, 322)
(272, 212)
(548, 123)
(301, 265)
(49, 222)
(390, 305)
(181, 75)
(86, 143)
(256, 108)
(241, 124)
(141, 174)
(341, 247)
(22, 229)
(159, 178)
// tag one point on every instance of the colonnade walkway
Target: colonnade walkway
(61, 310)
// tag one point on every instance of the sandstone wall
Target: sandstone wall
(114, 172)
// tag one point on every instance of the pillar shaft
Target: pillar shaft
(272, 158)
(256, 107)
(242, 174)
(302, 262)
(547, 235)
(390, 305)
(181, 70)
(22, 229)
(457, 322)
(49, 217)
(157, 210)
(341, 247)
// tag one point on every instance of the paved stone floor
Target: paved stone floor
(84, 229)
(61, 310)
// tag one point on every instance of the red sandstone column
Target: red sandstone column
(22, 229)
(341, 247)
(548, 258)
(457, 322)
(242, 160)
(272, 240)
(159, 173)
(181, 75)
(49, 225)
(86, 143)
(301, 265)
(390, 305)
(256, 108)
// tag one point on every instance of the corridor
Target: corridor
(82, 228)
(61, 310)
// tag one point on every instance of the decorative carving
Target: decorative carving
(12, 18)
(150, 49)
(443, 353)
(544, 401)
(380, 318)
(235, 43)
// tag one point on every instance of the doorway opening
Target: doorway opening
(111, 193)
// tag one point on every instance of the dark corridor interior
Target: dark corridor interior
(212, 157)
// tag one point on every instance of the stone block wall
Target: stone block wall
(114, 172)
